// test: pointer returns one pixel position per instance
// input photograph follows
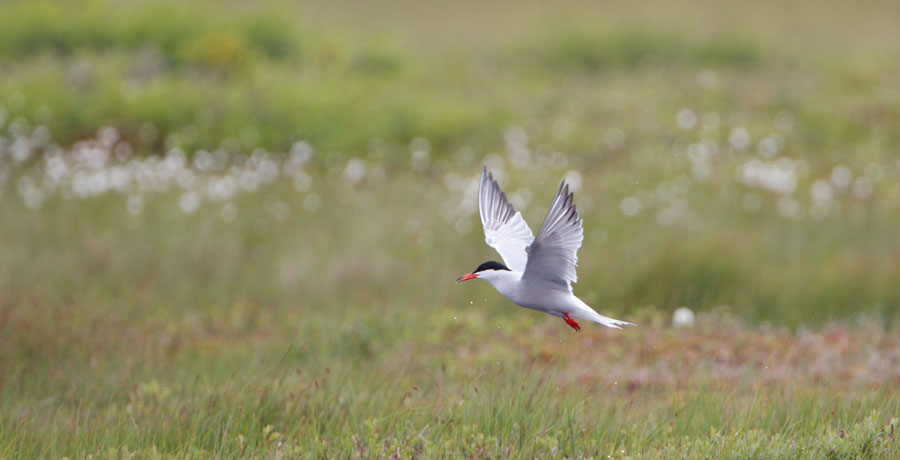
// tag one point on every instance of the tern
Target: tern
(539, 270)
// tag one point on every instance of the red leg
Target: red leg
(571, 322)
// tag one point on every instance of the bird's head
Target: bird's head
(485, 270)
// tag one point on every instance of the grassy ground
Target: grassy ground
(231, 232)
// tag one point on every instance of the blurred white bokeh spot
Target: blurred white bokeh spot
(683, 317)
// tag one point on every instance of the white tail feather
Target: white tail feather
(587, 313)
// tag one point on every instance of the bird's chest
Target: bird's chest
(520, 293)
(511, 289)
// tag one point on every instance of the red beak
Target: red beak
(466, 277)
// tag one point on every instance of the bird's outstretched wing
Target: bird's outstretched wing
(553, 254)
(504, 228)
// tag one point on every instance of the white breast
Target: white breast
(524, 294)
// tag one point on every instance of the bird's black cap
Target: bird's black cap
(491, 265)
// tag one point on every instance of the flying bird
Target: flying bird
(539, 270)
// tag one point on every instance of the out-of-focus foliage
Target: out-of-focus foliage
(275, 73)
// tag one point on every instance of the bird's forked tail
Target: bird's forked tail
(585, 312)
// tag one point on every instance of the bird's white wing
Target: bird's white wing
(553, 255)
(504, 229)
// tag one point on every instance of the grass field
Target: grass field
(232, 232)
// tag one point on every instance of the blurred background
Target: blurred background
(220, 221)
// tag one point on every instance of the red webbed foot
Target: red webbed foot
(571, 322)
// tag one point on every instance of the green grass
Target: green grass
(314, 315)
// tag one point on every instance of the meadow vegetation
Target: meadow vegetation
(231, 231)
